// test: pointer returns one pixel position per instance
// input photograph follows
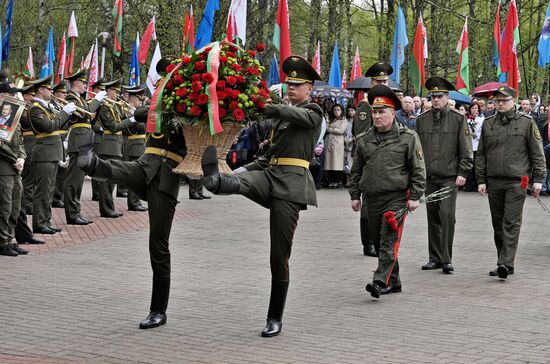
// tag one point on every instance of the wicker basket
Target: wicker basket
(197, 138)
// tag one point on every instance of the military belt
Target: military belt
(28, 133)
(45, 135)
(294, 162)
(139, 136)
(164, 153)
(80, 125)
(63, 132)
(107, 132)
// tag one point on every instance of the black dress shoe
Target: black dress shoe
(19, 250)
(494, 272)
(89, 221)
(272, 327)
(77, 221)
(194, 196)
(44, 230)
(154, 319)
(390, 289)
(112, 215)
(56, 229)
(447, 268)
(7, 250)
(138, 208)
(369, 251)
(33, 240)
(205, 197)
(431, 265)
(122, 194)
(503, 272)
(58, 205)
(374, 290)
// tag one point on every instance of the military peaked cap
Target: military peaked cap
(80, 75)
(116, 84)
(382, 96)
(379, 71)
(506, 91)
(43, 82)
(298, 71)
(438, 86)
(60, 87)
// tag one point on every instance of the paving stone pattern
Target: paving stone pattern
(82, 300)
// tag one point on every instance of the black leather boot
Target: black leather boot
(218, 184)
(277, 302)
(159, 303)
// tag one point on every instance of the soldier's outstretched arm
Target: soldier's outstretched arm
(42, 124)
(309, 116)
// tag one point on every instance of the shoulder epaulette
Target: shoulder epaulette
(455, 111)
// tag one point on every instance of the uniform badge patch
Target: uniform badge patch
(537, 134)
(467, 130)
(420, 154)
(362, 115)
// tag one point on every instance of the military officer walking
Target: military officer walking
(389, 173)
(280, 181)
(12, 162)
(80, 131)
(47, 152)
(447, 145)
(112, 122)
(379, 73)
(510, 149)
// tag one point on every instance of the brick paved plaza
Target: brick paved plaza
(80, 298)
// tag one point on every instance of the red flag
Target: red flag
(356, 70)
(61, 60)
(117, 19)
(417, 65)
(317, 58)
(281, 37)
(508, 52)
(231, 28)
(146, 41)
(344, 81)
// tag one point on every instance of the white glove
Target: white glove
(100, 96)
(133, 120)
(240, 170)
(69, 108)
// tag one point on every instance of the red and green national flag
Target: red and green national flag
(496, 41)
(29, 66)
(463, 77)
(509, 47)
(188, 32)
(281, 36)
(417, 71)
(117, 20)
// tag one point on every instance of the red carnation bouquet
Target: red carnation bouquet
(217, 84)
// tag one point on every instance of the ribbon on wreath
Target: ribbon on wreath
(213, 64)
(154, 117)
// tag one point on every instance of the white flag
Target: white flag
(153, 76)
(73, 31)
(88, 59)
(237, 10)
(94, 67)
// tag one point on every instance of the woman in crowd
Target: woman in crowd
(462, 109)
(349, 143)
(334, 146)
(475, 122)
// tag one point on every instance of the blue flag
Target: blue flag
(0, 45)
(400, 41)
(335, 76)
(544, 41)
(49, 57)
(134, 66)
(204, 33)
(6, 42)
(274, 72)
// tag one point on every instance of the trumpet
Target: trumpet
(80, 112)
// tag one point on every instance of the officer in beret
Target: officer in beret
(280, 180)
(447, 144)
(510, 150)
(80, 126)
(152, 179)
(48, 151)
(388, 175)
(379, 73)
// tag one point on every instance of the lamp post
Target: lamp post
(103, 38)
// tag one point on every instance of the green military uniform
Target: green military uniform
(134, 149)
(152, 179)
(61, 176)
(80, 130)
(11, 190)
(447, 146)
(29, 140)
(510, 148)
(388, 168)
(46, 155)
(280, 181)
(98, 135)
(111, 146)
